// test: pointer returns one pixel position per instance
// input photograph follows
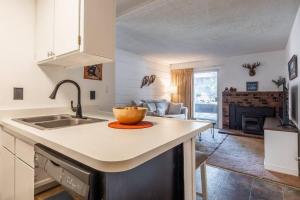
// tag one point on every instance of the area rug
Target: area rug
(208, 144)
(246, 155)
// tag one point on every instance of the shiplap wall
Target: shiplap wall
(130, 70)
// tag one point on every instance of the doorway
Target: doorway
(205, 101)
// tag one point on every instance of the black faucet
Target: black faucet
(78, 108)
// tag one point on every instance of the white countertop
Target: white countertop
(107, 149)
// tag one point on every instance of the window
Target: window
(206, 95)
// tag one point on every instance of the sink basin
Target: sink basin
(67, 122)
(56, 121)
(43, 118)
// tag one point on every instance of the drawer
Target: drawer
(7, 141)
(25, 152)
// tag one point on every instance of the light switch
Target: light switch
(92, 95)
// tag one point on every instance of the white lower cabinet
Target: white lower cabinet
(24, 181)
(7, 175)
(281, 152)
(16, 170)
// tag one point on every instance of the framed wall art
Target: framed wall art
(252, 86)
(93, 72)
(293, 68)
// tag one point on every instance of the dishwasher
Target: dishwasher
(65, 179)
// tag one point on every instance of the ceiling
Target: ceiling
(176, 31)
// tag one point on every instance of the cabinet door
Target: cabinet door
(24, 181)
(66, 26)
(7, 174)
(44, 30)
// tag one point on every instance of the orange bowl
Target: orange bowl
(129, 115)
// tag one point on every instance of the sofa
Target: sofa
(163, 108)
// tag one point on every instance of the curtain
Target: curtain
(183, 80)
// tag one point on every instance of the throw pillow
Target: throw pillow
(151, 107)
(148, 101)
(137, 103)
(162, 108)
(175, 108)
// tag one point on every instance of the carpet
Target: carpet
(207, 144)
(246, 155)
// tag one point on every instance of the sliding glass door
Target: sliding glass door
(206, 95)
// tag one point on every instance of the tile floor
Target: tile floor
(228, 185)
(246, 155)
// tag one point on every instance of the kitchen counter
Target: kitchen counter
(107, 149)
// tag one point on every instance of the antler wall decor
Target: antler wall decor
(145, 81)
(281, 81)
(252, 68)
(148, 80)
(151, 79)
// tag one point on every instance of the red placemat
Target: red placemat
(118, 125)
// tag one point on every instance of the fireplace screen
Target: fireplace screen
(249, 119)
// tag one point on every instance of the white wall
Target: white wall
(130, 70)
(293, 48)
(18, 68)
(231, 74)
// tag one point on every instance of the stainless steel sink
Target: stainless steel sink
(56, 121)
(44, 118)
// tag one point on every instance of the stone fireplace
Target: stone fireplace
(247, 110)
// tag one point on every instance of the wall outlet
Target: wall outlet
(18, 93)
(92, 95)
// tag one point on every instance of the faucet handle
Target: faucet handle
(72, 107)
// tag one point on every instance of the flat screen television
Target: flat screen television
(294, 104)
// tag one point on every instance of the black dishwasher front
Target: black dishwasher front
(77, 180)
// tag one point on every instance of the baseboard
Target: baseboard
(279, 169)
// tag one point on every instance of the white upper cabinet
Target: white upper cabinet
(45, 30)
(66, 27)
(82, 32)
